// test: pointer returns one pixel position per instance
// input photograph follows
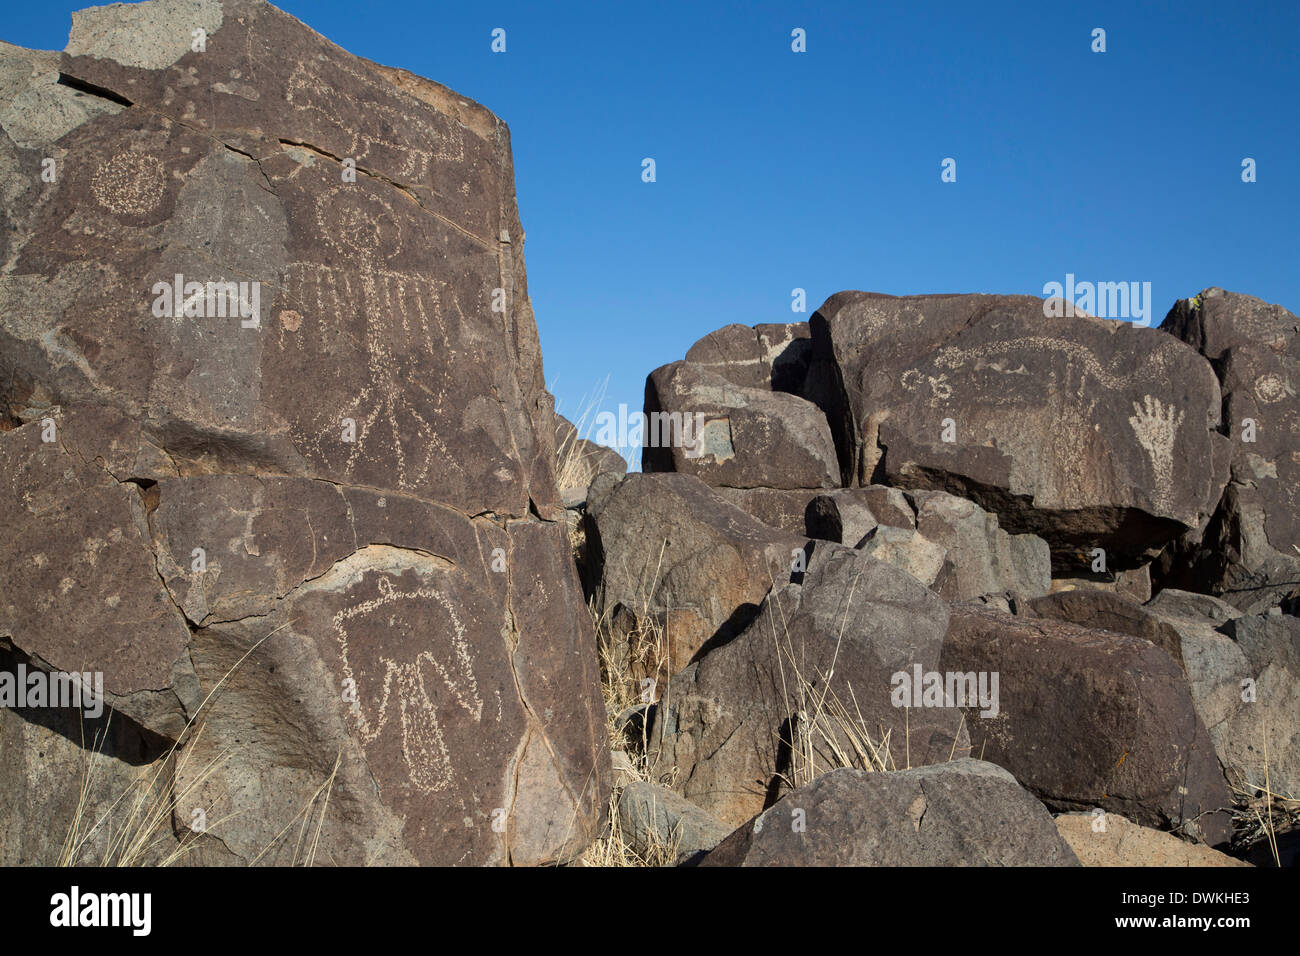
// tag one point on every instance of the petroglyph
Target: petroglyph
(309, 91)
(1156, 426)
(392, 682)
(1271, 389)
(129, 184)
(953, 357)
(404, 334)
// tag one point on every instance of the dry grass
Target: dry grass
(135, 829)
(573, 469)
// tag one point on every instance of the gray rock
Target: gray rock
(733, 436)
(655, 819)
(762, 708)
(963, 813)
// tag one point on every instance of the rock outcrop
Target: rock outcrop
(276, 438)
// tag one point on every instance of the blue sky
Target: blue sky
(821, 170)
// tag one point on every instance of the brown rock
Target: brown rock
(751, 712)
(1092, 718)
(1083, 431)
(1118, 842)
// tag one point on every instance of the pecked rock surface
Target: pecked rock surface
(1086, 432)
(350, 481)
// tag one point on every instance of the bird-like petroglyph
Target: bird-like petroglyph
(405, 335)
(378, 641)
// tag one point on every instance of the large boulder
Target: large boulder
(699, 423)
(1091, 718)
(963, 813)
(771, 356)
(668, 553)
(1247, 553)
(1087, 432)
(1244, 674)
(276, 437)
(807, 685)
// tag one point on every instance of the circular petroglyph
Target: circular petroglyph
(1270, 388)
(291, 320)
(129, 184)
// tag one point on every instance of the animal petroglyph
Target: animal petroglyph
(393, 680)
(129, 184)
(953, 357)
(309, 91)
(1156, 426)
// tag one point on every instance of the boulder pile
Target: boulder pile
(1017, 564)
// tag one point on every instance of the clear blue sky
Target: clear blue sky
(821, 170)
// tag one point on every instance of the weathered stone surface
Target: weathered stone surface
(668, 548)
(910, 551)
(733, 436)
(365, 288)
(78, 584)
(1083, 431)
(419, 659)
(963, 813)
(1261, 734)
(985, 558)
(1134, 584)
(447, 692)
(1216, 321)
(1092, 718)
(1107, 611)
(1119, 842)
(655, 818)
(726, 723)
(778, 507)
(771, 356)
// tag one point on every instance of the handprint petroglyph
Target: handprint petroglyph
(1156, 426)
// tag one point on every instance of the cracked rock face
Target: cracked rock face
(764, 707)
(275, 435)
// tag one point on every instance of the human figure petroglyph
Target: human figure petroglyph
(395, 682)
